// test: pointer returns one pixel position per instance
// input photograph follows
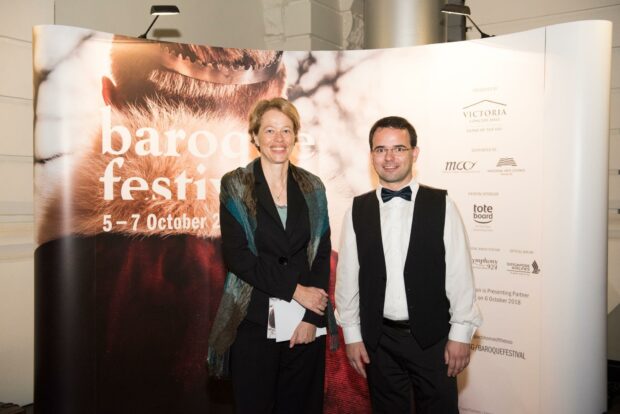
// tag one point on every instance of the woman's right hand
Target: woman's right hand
(311, 298)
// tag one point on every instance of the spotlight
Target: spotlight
(160, 11)
(463, 11)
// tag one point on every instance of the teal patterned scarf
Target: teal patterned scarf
(237, 196)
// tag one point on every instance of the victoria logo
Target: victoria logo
(459, 165)
(483, 214)
(485, 110)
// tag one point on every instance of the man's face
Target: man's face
(393, 157)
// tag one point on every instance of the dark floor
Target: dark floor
(29, 409)
(8, 408)
(613, 392)
(614, 404)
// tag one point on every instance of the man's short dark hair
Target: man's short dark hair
(395, 122)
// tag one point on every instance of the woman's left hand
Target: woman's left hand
(304, 334)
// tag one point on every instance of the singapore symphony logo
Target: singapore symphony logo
(484, 263)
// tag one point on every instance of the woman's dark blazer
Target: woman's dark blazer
(282, 260)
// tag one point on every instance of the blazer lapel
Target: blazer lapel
(296, 205)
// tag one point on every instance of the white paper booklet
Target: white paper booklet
(287, 317)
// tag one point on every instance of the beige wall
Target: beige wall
(215, 22)
(528, 14)
(277, 24)
(16, 208)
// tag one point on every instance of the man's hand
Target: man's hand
(358, 357)
(311, 298)
(456, 357)
(304, 334)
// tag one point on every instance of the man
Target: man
(404, 290)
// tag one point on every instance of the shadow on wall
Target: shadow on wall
(162, 34)
(613, 334)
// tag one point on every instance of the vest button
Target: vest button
(283, 261)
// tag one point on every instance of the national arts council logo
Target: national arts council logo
(506, 162)
(506, 166)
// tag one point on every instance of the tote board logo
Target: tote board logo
(483, 213)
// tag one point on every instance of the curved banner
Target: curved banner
(132, 137)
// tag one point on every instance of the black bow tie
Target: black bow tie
(404, 193)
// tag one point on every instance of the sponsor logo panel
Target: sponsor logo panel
(460, 167)
(484, 116)
(483, 213)
(483, 263)
(506, 166)
(523, 269)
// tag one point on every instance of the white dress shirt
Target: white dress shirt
(396, 218)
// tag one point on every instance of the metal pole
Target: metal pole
(394, 23)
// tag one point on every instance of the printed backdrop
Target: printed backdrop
(132, 137)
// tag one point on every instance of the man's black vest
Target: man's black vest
(425, 268)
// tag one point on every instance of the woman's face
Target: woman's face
(276, 137)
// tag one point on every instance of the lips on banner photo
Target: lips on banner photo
(132, 137)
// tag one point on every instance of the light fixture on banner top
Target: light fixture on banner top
(463, 11)
(163, 10)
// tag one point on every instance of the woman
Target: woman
(276, 245)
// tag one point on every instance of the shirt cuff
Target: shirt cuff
(461, 333)
(352, 334)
